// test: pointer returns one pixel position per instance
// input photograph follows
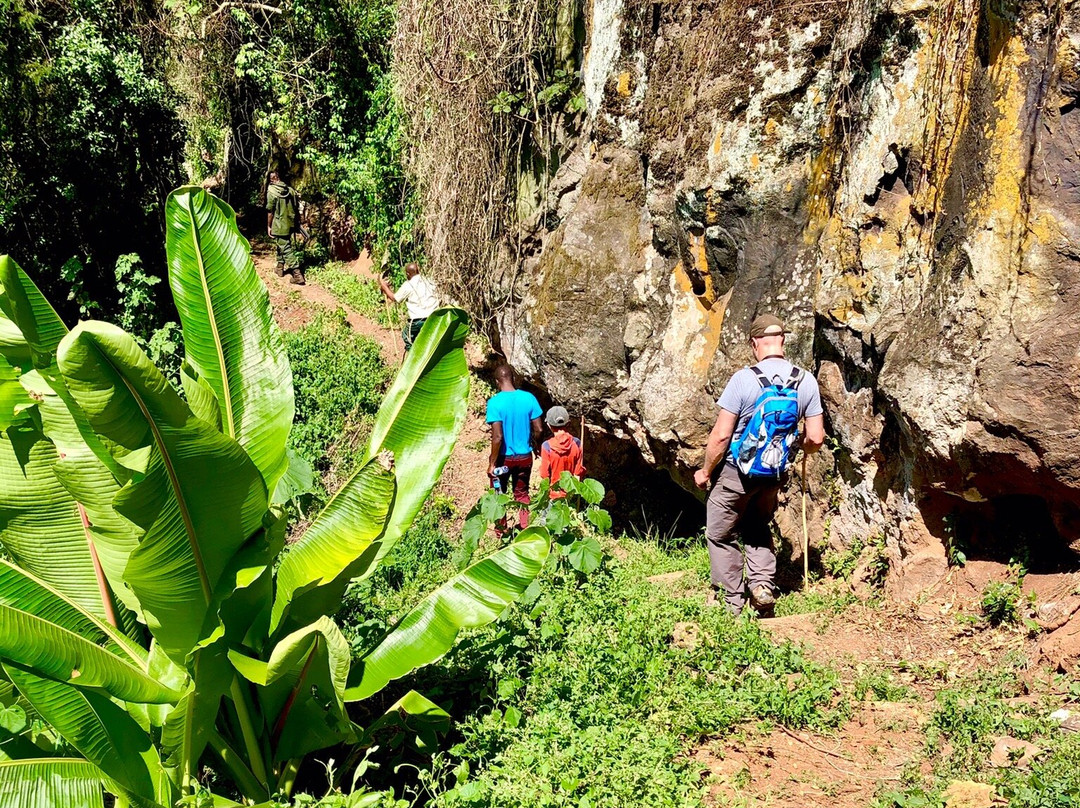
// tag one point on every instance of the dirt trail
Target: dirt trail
(920, 650)
(464, 478)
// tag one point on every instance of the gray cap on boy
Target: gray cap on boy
(558, 416)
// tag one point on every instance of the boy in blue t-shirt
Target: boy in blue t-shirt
(516, 429)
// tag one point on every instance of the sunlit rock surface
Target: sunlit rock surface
(901, 182)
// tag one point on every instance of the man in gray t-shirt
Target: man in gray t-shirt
(744, 505)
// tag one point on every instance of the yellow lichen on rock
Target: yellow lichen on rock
(694, 328)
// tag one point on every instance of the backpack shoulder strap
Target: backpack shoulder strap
(763, 380)
(795, 379)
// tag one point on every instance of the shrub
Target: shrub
(339, 378)
(1001, 599)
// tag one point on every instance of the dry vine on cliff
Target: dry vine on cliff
(451, 63)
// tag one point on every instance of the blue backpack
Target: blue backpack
(764, 447)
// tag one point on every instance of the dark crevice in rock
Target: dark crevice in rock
(1008, 528)
(899, 173)
(859, 361)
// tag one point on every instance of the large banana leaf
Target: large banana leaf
(22, 590)
(100, 730)
(40, 524)
(473, 598)
(301, 689)
(188, 726)
(230, 338)
(414, 714)
(421, 416)
(52, 537)
(51, 635)
(50, 783)
(338, 546)
(13, 346)
(23, 304)
(13, 398)
(245, 591)
(195, 493)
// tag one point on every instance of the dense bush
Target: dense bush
(339, 378)
(90, 144)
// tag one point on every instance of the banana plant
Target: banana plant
(150, 616)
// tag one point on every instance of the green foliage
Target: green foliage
(586, 698)
(563, 91)
(823, 598)
(882, 686)
(363, 164)
(955, 547)
(140, 312)
(966, 720)
(175, 499)
(840, 564)
(311, 82)
(90, 143)
(359, 294)
(1001, 599)
(339, 378)
(572, 520)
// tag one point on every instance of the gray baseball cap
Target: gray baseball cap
(558, 416)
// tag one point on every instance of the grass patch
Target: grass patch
(880, 685)
(960, 735)
(828, 597)
(583, 697)
(339, 378)
(360, 294)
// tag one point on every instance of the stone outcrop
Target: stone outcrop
(900, 180)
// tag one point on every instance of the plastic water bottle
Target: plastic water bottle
(496, 474)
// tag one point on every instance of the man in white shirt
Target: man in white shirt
(420, 298)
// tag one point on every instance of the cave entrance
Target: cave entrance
(643, 500)
(1008, 528)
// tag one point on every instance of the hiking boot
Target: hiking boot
(762, 598)
(297, 278)
(281, 270)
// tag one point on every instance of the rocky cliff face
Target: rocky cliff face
(898, 179)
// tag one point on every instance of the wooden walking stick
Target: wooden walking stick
(805, 531)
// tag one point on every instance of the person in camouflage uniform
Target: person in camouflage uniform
(282, 219)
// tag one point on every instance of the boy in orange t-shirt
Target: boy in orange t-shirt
(561, 452)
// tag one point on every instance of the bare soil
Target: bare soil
(925, 647)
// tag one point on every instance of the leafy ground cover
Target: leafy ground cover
(339, 377)
(969, 717)
(595, 688)
(361, 294)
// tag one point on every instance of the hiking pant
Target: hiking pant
(286, 254)
(738, 505)
(411, 331)
(516, 483)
